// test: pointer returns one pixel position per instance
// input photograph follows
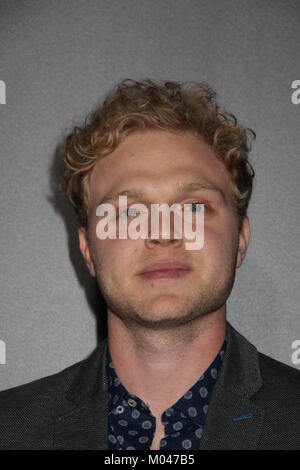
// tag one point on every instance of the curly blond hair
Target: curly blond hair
(146, 105)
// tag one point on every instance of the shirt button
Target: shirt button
(131, 402)
(120, 409)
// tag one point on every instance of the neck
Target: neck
(159, 366)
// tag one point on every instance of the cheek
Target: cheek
(218, 243)
(117, 252)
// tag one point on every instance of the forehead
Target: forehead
(155, 160)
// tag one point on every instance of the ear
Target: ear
(85, 250)
(244, 238)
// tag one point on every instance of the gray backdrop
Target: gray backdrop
(58, 60)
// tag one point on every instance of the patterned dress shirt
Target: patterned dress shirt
(131, 426)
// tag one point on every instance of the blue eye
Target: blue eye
(196, 206)
(129, 212)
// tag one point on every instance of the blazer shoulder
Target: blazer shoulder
(279, 397)
(281, 380)
(273, 367)
(41, 392)
(28, 412)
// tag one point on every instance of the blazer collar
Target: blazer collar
(233, 421)
(91, 379)
(240, 371)
(84, 423)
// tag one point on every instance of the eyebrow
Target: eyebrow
(180, 188)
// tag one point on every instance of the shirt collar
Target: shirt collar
(193, 404)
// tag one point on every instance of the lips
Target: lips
(165, 269)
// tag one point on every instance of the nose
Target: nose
(163, 242)
(164, 232)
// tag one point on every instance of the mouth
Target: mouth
(166, 270)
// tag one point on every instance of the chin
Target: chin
(164, 319)
(160, 323)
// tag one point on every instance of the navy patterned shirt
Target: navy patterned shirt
(131, 426)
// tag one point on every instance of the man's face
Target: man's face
(156, 162)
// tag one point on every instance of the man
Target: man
(173, 373)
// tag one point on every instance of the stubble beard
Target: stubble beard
(207, 298)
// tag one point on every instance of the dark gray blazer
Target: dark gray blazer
(255, 405)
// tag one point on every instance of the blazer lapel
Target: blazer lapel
(233, 421)
(83, 425)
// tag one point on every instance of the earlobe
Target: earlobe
(85, 250)
(244, 239)
(83, 242)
